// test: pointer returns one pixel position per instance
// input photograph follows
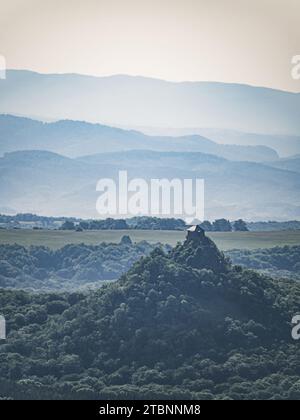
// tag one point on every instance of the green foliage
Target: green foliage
(240, 226)
(141, 223)
(170, 328)
(274, 226)
(107, 224)
(155, 223)
(285, 258)
(201, 253)
(68, 225)
(207, 226)
(222, 225)
(73, 266)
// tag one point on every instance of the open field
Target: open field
(224, 240)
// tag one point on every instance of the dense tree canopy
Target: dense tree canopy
(240, 226)
(73, 266)
(277, 261)
(169, 328)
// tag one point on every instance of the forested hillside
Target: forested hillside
(69, 268)
(282, 262)
(279, 258)
(181, 325)
(75, 266)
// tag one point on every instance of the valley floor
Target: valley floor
(224, 240)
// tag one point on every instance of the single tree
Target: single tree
(240, 226)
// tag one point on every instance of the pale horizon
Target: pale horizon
(227, 41)
(147, 77)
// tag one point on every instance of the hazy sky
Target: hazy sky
(242, 41)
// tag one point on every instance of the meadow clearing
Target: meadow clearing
(225, 240)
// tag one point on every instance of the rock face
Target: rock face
(199, 251)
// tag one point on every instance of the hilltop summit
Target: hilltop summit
(186, 325)
(199, 251)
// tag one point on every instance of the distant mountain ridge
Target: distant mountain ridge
(77, 138)
(139, 101)
(49, 184)
(291, 164)
(284, 145)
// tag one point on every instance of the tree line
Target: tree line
(154, 223)
(140, 223)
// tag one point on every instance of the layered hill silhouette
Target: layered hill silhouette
(139, 101)
(53, 169)
(50, 184)
(284, 145)
(292, 164)
(77, 138)
(175, 326)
